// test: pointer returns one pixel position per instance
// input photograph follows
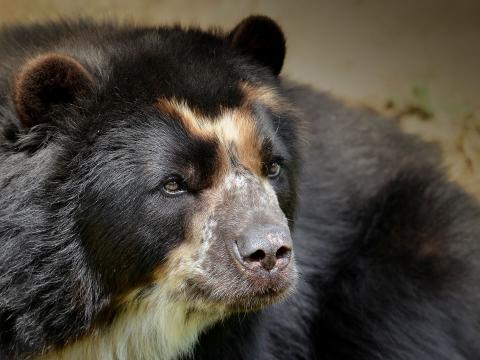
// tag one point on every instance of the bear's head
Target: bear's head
(176, 164)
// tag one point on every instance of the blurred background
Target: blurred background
(417, 61)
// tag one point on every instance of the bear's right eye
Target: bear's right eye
(174, 186)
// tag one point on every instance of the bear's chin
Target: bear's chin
(248, 295)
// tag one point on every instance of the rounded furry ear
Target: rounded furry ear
(45, 81)
(262, 38)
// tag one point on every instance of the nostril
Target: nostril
(258, 255)
(283, 253)
(267, 247)
(269, 260)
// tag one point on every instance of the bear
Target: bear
(166, 194)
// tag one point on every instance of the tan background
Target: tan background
(417, 59)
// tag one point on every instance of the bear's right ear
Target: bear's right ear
(262, 39)
(46, 81)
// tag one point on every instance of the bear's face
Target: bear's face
(181, 195)
(195, 199)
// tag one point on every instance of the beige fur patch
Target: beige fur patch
(266, 96)
(233, 128)
(161, 326)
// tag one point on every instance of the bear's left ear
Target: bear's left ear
(47, 81)
(262, 38)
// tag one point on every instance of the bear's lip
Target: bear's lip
(261, 298)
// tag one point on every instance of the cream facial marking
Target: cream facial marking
(233, 128)
(160, 325)
(266, 96)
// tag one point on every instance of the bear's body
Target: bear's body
(107, 252)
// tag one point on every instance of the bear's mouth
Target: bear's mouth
(260, 300)
(250, 291)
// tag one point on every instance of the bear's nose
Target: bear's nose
(267, 247)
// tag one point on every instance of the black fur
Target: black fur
(387, 247)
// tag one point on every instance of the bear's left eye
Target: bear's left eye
(273, 169)
(174, 186)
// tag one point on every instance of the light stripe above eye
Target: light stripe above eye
(266, 96)
(234, 129)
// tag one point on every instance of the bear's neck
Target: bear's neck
(155, 327)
